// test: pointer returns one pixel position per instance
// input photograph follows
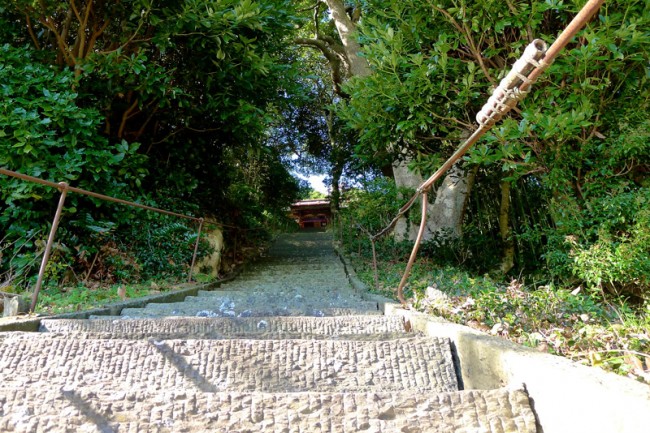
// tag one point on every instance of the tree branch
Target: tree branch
(30, 29)
(63, 47)
(125, 117)
(358, 65)
(316, 21)
(135, 33)
(140, 131)
(93, 39)
(73, 3)
(470, 42)
(81, 34)
(332, 57)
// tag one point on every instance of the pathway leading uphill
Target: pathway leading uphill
(286, 347)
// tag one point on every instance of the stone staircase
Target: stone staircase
(286, 347)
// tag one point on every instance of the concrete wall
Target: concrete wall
(566, 396)
(32, 323)
(211, 263)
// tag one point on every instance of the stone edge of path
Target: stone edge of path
(177, 293)
(566, 396)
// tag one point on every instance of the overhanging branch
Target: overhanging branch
(334, 59)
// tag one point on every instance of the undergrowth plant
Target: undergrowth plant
(577, 323)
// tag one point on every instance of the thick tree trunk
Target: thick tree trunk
(405, 178)
(446, 213)
(345, 27)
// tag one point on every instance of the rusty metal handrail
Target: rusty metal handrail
(93, 194)
(65, 188)
(511, 89)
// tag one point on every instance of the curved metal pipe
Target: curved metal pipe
(414, 253)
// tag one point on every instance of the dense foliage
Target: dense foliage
(572, 164)
(579, 142)
(165, 102)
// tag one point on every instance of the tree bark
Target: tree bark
(508, 258)
(446, 213)
(346, 28)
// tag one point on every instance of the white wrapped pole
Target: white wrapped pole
(508, 93)
(512, 88)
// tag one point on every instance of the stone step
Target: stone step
(190, 311)
(280, 296)
(70, 409)
(330, 259)
(234, 336)
(342, 327)
(287, 287)
(194, 310)
(302, 255)
(237, 290)
(322, 261)
(284, 287)
(300, 276)
(257, 301)
(299, 280)
(288, 266)
(39, 359)
(281, 267)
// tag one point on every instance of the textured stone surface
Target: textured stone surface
(236, 365)
(248, 374)
(159, 310)
(68, 409)
(301, 277)
(343, 326)
(257, 305)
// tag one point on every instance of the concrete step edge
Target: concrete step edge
(419, 364)
(71, 409)
(339, 325)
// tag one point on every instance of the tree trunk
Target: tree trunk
(335, 195)
(508, 258)
(446, 213)
(448, 210)
(345, 27)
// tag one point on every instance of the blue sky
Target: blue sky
(316, 182)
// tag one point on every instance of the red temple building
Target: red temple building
(312, 213)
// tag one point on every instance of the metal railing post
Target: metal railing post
(196, 249)
(48, 247)
(414, 253)
(374, 263)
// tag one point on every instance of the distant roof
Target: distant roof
(311, 203)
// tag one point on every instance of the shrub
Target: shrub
(45, 133)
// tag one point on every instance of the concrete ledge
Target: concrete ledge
(566, 396)
(358, 285)
(32, 323)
